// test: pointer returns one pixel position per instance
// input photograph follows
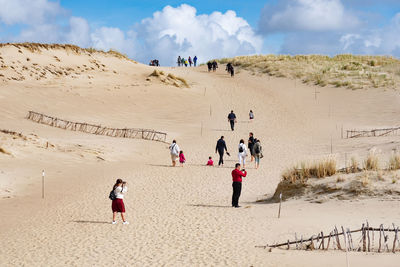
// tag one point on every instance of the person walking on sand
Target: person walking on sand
(232, 120)
(251, 115)
(237, 175)
(190, 61)
(182, 158)
(257, 148)
(242, 153)
(250, 145)
(179, 61)
(174, 151)
(117, 205)
(221, 148)
(195, 61)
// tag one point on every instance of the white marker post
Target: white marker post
(43, 183)
(280, 203)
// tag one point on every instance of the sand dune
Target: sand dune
(178, 216)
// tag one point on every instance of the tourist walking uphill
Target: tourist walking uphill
(242, 153)
(179, 61)
(174, 151)
(117, 196)
(250, 145)
(195, 61)
(257, 151)
(221, 148)
(232, 120)
(237, 175)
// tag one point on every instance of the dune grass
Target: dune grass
(354, 72)
(318, 169)
(37, 47)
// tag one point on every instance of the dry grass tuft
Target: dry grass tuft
(319, 169)
(2, 150)
(349, 71)
(371, 162)
(394, 162)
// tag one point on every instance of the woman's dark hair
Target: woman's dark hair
(241, 141)
(209, 157)
(174, 141)
(119, 181)
(181, 152)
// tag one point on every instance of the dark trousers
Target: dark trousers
(221, 157)
(237, 189)
(232, 122)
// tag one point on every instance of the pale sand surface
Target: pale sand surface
(178, 216)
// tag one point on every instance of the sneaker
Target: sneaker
(114, 222)
(125, 222)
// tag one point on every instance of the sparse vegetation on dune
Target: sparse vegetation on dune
(37, 47)
(318, 179)
(169, 79)
(354, 72)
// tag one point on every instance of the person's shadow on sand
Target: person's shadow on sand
(94, 222)
(208, 206)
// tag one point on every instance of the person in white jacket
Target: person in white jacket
(118, 205)
(174, 151)
(242, 153)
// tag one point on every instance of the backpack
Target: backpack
(112, 195)
(257, 149)
(241, 149)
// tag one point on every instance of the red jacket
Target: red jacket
(237, 175)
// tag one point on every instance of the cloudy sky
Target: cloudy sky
(148, 29)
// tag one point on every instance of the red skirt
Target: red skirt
(118, 205)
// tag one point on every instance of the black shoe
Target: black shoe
(237, 206)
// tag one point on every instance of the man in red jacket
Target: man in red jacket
(237, 175)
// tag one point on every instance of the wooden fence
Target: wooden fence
(369, 240)
(97, 129)
(373, 132)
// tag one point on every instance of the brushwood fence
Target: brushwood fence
(368, 239)
(146, 134)
(373, 132)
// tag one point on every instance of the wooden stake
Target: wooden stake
(337, 239)
(380, 238)
(369, 242)
(280, 203)
(43, 183)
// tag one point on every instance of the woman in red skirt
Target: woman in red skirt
(118, 203)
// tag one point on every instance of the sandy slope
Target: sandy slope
(179, 216)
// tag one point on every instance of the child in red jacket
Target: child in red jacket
(210, 162)
(181, 158)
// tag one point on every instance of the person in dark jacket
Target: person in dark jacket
(237, 175)
(232, 119)
(221, 148)
(250, 145)
(195, 61)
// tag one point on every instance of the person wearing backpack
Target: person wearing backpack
(257, 150)
(174, 151)
(242, 153)
(117, 197)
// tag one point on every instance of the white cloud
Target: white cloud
(28, 11)
(180, 31)
(306, 15)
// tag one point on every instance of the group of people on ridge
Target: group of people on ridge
(185, 62)
(212, 65)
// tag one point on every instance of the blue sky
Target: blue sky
(150, 29)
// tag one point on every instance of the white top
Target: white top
(119, 191)
(174, 148)
(244, 153)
